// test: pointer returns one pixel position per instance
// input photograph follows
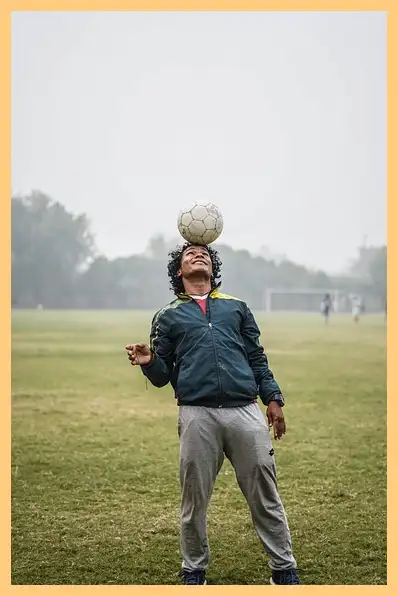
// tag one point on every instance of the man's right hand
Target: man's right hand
(139, 354)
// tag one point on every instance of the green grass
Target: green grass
(95, 492)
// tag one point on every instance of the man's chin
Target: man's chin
(199, 273)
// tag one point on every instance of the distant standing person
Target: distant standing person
(326, 307)
(356, 306)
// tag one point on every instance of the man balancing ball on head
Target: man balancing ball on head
(206, 344)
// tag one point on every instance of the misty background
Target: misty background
(121, 118)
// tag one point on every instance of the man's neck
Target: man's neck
(197, 288)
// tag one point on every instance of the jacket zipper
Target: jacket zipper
(208, 317)
(215, 351)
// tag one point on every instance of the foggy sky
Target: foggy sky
(278, 118)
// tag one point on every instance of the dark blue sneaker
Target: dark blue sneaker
(286, 577)
(193, 578)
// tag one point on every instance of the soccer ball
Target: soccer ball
(200, 223)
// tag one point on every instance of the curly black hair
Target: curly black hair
(174, 266)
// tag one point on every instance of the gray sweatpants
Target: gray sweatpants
(242, 434)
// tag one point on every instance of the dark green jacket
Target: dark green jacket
(214, 360)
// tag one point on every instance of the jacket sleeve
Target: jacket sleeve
(267, 386)
(160, 369)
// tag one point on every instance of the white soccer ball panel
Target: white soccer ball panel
(191, 238)
(179, 224)
(199, 212)
(197, 240)
(183, 231)
(186, 219)
(210, 222)
(213, 210)
(197, 228)
(219, 224)
(210, 236)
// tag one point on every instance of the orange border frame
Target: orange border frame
(5, 257)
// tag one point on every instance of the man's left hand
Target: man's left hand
(276, 419)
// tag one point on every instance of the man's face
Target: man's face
(196, 260)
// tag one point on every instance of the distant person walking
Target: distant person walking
(326, 307)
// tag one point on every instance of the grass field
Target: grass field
(95, 492)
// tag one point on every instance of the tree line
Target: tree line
(55, 264)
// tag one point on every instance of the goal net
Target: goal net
(308, 300)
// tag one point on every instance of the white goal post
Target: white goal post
(295, 299)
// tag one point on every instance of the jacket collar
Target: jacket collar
(213, 292)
